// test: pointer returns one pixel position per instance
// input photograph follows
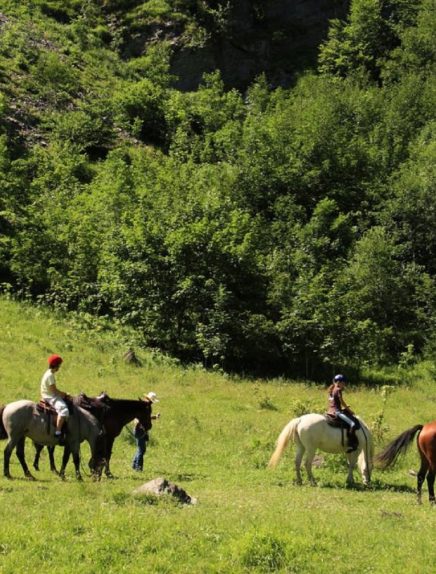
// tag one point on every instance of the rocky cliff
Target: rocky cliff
(275, 37)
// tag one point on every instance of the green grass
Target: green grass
(214, 439)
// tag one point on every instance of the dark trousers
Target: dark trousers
(141, 447)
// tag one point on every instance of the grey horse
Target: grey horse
(21, 419)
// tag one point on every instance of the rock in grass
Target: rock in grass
(160, 486)
(131, 358)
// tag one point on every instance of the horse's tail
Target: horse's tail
(3, 433)
(287, 434)
(389, 455)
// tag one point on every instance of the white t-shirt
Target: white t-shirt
(48, 379)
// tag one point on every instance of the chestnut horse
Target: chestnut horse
(426, 442)
(113, 414)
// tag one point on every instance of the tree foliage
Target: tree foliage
(277, 230)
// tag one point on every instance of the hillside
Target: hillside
(274, 217)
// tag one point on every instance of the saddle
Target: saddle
(336, 422)
(339, 423)
(45, 408)
(97, 406)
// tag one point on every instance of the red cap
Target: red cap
(54, 361)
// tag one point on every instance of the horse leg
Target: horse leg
(310, 453)
(298, 458)
(38, 449)
(430, 484)
(7, 457)
(352, 459)
(76, 460)
(65, 459)
(52, 459)
(421, 477)
(366, 473)
(20, 455)
(109, 445)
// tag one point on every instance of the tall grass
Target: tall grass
(214, 438)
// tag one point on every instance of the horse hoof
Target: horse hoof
(30, 476)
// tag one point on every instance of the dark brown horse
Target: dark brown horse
(113, 414)
(426, 443)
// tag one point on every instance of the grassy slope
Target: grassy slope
(214, 439)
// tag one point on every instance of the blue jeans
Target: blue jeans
(346, 419)
(141, 447)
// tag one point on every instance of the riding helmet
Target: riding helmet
(54, 361)
(340, 379)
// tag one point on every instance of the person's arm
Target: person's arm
(344, 405)
(55, 391)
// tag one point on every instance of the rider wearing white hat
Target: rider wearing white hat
(151, 396)
(141, 435)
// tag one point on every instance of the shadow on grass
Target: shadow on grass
(375, 486)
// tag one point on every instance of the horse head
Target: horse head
(103, 397)
(144, 414)
(98, 459)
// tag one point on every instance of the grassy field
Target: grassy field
(214, 439)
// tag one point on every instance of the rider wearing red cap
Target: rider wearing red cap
(52, 395)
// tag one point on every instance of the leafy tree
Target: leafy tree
(411, 212)
(362, 45)
(385, 303)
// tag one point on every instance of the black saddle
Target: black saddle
(340, 424)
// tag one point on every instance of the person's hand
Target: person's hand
(158, 415)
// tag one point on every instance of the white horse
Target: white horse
(311, 432)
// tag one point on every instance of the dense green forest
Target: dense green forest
(274, 229)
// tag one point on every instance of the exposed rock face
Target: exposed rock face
(278, 37)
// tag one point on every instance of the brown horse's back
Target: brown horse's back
(427, 444)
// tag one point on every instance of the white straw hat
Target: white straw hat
(152, 397)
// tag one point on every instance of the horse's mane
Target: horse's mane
(121, 402)
(104, 399)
